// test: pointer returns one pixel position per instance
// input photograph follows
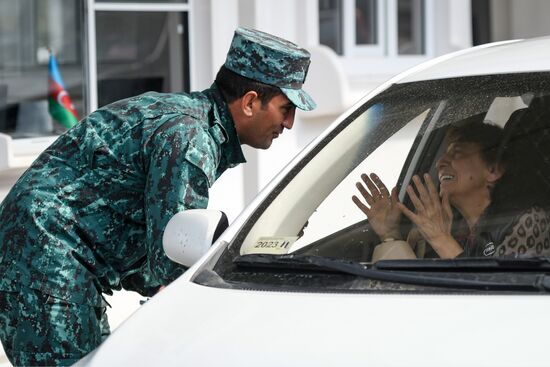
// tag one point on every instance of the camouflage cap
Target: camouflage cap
(271, 60)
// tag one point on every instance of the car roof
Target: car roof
(514, 56)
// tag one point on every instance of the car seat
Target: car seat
(526, 152)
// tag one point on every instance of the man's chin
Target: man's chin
(263, 145)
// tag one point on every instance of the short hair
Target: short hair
(233, 86)
(487, 136)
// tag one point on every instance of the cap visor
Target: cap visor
(300, 98)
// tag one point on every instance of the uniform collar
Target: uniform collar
(232, 153)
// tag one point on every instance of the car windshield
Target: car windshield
(400, 133)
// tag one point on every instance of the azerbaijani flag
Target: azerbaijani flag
(59, 103)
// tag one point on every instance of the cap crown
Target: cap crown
(268, 59)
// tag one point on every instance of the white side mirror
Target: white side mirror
(189, 234)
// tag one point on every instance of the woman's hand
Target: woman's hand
(381, 208)
(433, 217)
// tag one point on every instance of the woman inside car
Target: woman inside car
(463, 218)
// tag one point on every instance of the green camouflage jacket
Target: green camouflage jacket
(88, 215)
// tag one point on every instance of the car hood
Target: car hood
(190, 324)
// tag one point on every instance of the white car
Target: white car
(292, 281)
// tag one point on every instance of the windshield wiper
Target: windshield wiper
(453, 276)
(482, 264)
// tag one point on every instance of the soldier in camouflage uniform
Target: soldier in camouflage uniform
(88, 216)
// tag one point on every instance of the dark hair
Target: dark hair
(233, 86)
(487, 136)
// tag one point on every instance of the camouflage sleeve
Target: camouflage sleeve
(174, 183)
(140, 282)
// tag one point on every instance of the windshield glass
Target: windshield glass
(469, 160)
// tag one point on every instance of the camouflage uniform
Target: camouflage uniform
(88, 216)
(43, 330)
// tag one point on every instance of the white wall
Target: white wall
(7, 179)
(530, 18)
(3, 359)
(512, 19)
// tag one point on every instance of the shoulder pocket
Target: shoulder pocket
(205, 158)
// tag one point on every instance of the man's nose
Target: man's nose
(289, 119)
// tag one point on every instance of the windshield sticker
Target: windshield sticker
(271, 245)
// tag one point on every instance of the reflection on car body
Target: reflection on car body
(297, 265)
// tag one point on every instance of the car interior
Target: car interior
(526, 148)
(295, 208)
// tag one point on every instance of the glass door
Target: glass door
(139, 47)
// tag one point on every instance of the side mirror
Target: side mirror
(189, 234)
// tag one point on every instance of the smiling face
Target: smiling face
(463, 174)
(258, 124)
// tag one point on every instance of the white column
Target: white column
(200, 40)
(460, 25)
(307, 22)
(501, 20)
(225, 18)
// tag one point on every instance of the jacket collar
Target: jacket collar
(232, 153)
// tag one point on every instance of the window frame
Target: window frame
(384, 57)
(351, 48)
(20, 153)
(91, 8)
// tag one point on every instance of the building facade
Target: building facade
(112, 50)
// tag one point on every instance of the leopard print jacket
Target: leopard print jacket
(525, 234)
(528, 236)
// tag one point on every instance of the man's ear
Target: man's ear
(247, 102)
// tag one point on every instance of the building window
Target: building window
(410, 27)
(143, 1)
(137, 46)
(330, 25)
(138, 59)
(365, 22)
(361, 27)
(28, 30)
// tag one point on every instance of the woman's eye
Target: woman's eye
(455, 153)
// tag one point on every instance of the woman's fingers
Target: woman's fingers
(360, 205)
(415, 200)
(380, 185)
(368, 198)
(377, 198)
(394, 197)
(422, 191)
(370, 184)
(432, 190)
(408, 213)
